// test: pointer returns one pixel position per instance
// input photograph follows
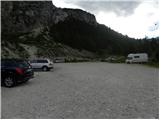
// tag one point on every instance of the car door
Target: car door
(42, 63)
(39, 63)
(137, 58)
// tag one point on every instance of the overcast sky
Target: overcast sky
(135, 18)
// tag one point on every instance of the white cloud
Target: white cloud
(139, 24)
(136, 25)
(65, 4)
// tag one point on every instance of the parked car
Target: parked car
(44, 64)
(14, 71)
(137, 58)
(59, 60)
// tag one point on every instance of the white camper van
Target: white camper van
(137, 58)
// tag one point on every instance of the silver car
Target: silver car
(44, 64)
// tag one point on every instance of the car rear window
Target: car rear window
(14, 63)
(42, 61)
(22, 63)
(8, 63)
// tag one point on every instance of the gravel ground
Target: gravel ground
(86, 90)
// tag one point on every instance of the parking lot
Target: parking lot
(85, 90)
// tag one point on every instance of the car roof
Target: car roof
(39, 59)
(14, 59)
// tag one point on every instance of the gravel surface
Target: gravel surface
(86, 90)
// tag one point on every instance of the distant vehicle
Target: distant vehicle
(59, 60)
(14, 71)
(137, 58)
(44, 64)
(109, 59)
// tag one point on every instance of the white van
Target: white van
(137, 58)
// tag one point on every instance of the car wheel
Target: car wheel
(45, 68)
(9, 82)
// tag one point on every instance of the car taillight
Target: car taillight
(19, 70)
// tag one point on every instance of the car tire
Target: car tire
(45, 68)
(9, 81)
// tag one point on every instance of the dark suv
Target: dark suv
(15, 71)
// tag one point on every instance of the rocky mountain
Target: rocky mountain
(40, 29)
(23, 17)
(29, 22)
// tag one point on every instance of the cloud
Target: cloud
(143, 22)
(135, 18)
(121, 8)
(65, 4)
(94, 6)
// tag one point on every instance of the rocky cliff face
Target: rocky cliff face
(22, 16)
(81, 15)
(27, 23)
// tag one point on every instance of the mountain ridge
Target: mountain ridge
(50, 29)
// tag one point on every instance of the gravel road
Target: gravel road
(86, 90)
